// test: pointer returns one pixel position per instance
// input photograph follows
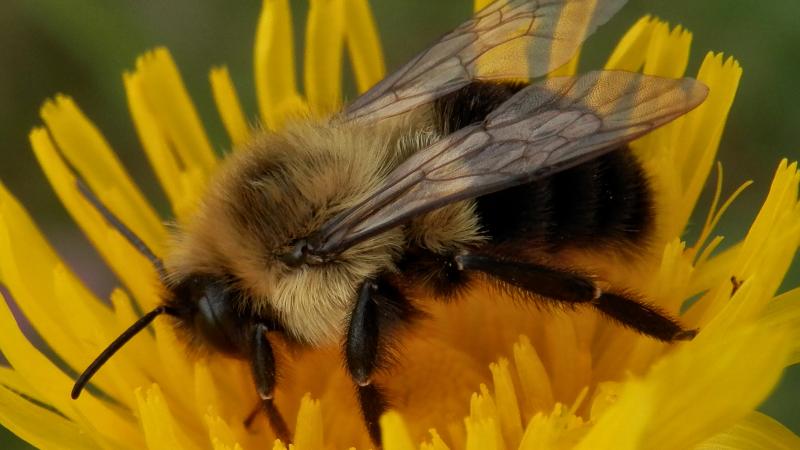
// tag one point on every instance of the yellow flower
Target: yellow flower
(572, 380)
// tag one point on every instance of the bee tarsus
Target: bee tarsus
(373, 403)
(264, 374)
(276, 421)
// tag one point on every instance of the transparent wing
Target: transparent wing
(545, 128)
(546, 32)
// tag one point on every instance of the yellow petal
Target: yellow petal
(229, 106)
(220, 434)
(363, 44)
(706, 386)
(436, 442)
(714, 214)
(480, 4)
(483, 434)
(165, 95)
(227, 385)
(12, 380)
(169, 129)
(668, 51)
(621, 427)
(394, 433)
(323, 55)
(561, 352)
(507, 403)
(95, 332)
(278, 445)
(708, 274)
(308, 432)
(158, 424)
(275, 74)
(765, 255)
(631, 51)
(53, 386)
(181, 183)
(47, 292)
(776, 224)
(573, 20)
(40, 426)
(784, 311)
(568, 69)
(140, 350)
(666, 55)
(205, 393)
(133, 269)
(558, 429)
(89, 153)
(754, 431)
(534, 381)
(179, 371)
(483, 428)
(27, 265)
(697, 138)
(668, 282)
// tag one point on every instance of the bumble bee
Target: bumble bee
(448, 170)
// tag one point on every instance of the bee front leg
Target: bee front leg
(381, 308)
(264, 374)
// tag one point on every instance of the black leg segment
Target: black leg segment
(642, 317)
(373, 404)
(573, 288)
(379, 309)
(361, 352)
(550, 283)
(361, 357)
(264, 375)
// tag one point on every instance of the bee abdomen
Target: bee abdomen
(603, 202)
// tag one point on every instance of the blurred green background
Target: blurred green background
(81, 47)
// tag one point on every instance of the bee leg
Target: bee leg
(573, 288)
(373, 403)
(362, 335)
(380, 307)
(361, 357)
(263, 366)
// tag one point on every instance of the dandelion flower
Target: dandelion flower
(477, 375)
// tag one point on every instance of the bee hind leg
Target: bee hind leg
(379, 309)
(571, 288)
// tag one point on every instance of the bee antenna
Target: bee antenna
(126, 232)
(118, 343)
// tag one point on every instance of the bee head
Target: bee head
(204, 309)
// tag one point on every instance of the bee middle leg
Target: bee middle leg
(573, 288)
(380, 308)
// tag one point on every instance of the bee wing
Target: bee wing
(545, 128)
(488, 46)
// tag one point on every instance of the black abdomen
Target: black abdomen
(602, 202)
(605, 201)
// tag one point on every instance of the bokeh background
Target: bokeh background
(81, 48)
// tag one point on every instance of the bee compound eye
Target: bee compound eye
(218, 322)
